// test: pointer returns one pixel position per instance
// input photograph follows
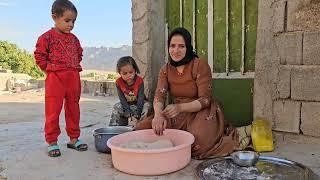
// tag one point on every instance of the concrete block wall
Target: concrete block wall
(287, 72)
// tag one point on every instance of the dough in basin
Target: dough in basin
(159, 144)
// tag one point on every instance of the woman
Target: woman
(188, 79)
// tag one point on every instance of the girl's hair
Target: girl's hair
(60, 6)
(123, 61)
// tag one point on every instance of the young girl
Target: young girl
(58, 53)
(130, 89)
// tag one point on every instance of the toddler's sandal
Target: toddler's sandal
(79, 146)
(54, 151)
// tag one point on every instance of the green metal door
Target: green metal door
(224, 33)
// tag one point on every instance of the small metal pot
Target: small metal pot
(101, 136)
(245, 158)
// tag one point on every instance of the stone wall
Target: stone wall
(17, 78)
(148, 40)
(287, 71)
(98, 88)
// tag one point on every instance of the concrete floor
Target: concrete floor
(23, 151)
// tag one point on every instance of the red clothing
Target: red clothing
(213, 136)
(59, 55)
(131, 95)
(130, 92)
(62, 87)
(57, 51)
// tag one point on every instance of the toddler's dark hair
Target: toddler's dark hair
(125, 61)
(60, 6)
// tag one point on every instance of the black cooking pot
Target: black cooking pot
(101, 136)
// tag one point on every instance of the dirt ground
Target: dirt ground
(307, 16)
(23, 151)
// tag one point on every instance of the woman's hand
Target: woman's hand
(159, 124)
(171, 111)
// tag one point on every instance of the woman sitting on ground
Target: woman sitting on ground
(189, 80)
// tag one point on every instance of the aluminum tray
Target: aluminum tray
(267, 167)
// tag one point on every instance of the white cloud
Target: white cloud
(8, 31)
(16, 35)
(5, 3)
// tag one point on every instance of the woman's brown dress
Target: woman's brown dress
(212, 136)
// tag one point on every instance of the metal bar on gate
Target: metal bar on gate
(227, 37)
(210, 34)
(181, 13)
(194, 23)
(165, 40)
(243, 31)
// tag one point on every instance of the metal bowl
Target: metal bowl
(245, 158)
(101, 136)
(267, 167)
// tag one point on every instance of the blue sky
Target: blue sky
(99, 23)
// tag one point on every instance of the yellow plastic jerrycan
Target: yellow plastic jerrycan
(261, 135)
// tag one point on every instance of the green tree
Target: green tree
(112, 76)
(18, 60)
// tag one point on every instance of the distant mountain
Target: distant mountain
(104, 58)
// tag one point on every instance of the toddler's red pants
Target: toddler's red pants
(62, 87)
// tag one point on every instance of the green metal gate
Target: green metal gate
(224, 33)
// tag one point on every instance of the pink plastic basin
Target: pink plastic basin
(155, 161)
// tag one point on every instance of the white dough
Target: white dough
(159, 144)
